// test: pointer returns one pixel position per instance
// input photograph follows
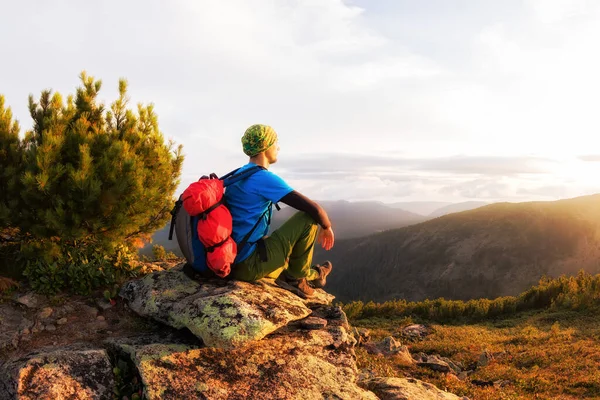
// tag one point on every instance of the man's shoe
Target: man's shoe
(323, 270)
(300, 287)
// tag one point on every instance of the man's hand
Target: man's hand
(326, 238)
(212, 176)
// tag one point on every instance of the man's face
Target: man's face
(272, 153)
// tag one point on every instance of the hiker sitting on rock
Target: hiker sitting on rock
(287, 253)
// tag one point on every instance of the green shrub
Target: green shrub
(91, 182)
(576, 292)
(159, 253)
(75, 267)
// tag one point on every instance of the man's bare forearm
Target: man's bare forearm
(302, 203)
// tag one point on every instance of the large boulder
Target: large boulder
(294, 363)
(223, 313)
(406, 389)
(58, 374)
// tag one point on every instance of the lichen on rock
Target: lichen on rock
(223, 313)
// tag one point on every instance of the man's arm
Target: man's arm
(303, 203)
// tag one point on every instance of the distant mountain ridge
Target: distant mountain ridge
(495, 250)
(356, 219)
(349, 219)
(457, 207)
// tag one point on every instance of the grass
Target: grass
(542, 355)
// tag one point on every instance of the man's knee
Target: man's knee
(303, 218)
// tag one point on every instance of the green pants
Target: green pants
(289, 247)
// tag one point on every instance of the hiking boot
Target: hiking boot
(299, 287)
(323, 270)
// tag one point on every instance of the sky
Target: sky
(390, 100)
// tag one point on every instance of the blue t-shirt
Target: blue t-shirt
(248, 200)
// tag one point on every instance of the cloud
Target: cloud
(546, 191)
(485, 188)
(353, 164)
(423, 93)
(590, 158)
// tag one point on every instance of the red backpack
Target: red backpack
(204, 226)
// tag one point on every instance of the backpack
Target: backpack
(203, 224)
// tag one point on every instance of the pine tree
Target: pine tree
(93, 174)
(93, 178)
(10, 165)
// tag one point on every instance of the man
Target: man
(289, 249)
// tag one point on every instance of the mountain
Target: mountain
(420, 207)
(457, 207)
(349, 220)
(356, 219)
(496, 250)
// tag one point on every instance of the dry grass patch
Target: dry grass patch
(546, 355)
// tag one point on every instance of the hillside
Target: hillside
(499, 249)
(457, 207)
(420, 207)
(542, 344)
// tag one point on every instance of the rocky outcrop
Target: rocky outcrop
(226, 340)
(223, 313)
(293, 363)
(406, 389)
(59, 374)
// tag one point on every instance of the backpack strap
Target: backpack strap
(173, 213)
(247, 237)
(232, 177)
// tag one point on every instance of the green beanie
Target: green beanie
(257, 139)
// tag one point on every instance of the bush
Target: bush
(77, 268)
(93, 184)
(576, 292)
(159, 253)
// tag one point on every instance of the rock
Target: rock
(416, 331)
(31, 300)
(361, 335)
(100, 318)
(289, 364)
(439, 364)
(406, 389)
(313, 323)
(223, 313)
(62, 321)
(463, 375)
(390, 347)
(50, 328)
(484, 359)
(59, 374)
(501, 383)
(46, 312)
